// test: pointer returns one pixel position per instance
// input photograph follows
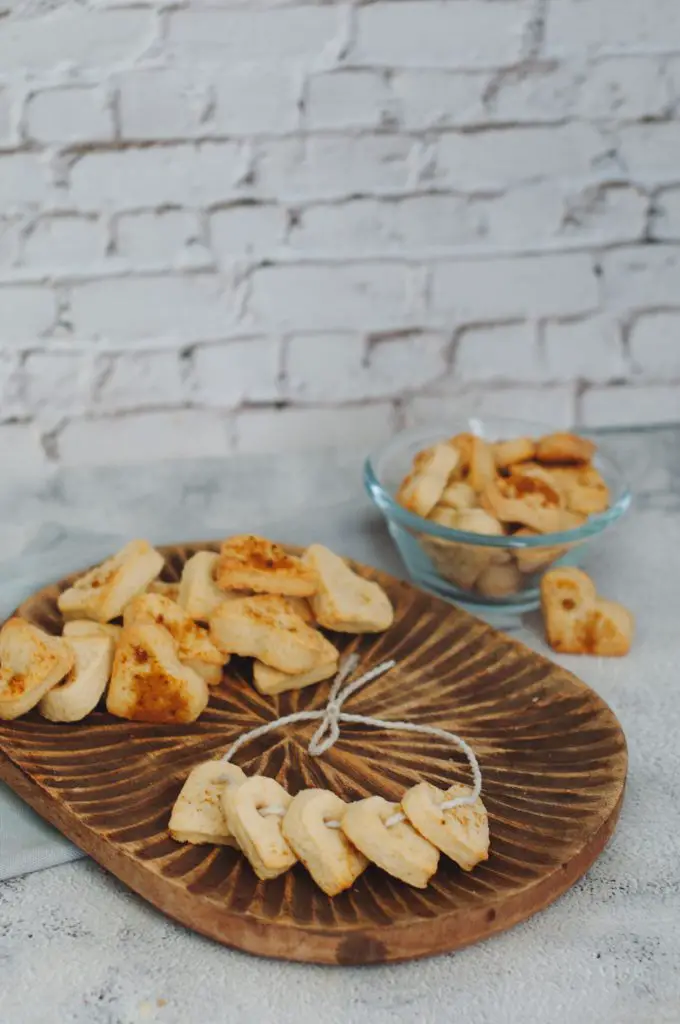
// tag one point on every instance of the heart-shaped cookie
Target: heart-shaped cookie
(462, 833)
(194, 646)
(332, 861)
(253, 812)
(149, 683)
(80, 691)
(197, 815)
(577, 621)
(103, 592)
(346, 601)
(398, 849)
(31, 663)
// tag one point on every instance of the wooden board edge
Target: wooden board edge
(378, 945)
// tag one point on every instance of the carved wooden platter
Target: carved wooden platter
(552, 753)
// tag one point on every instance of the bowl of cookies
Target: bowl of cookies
(480, 508)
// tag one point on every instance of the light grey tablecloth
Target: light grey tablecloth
(26, 842)
(77, 947)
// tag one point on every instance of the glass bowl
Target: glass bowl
(471, 568)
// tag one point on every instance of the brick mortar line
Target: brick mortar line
(74, 278)
(348, 132)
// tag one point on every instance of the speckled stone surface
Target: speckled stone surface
(76, 946)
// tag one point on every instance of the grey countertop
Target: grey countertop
(76, 946)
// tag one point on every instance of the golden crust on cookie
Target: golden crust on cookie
(509, 453)
(584, 488)
(567, 598)
(31, 663)
(194, 646)
(477, 520)
(265, 628)
(247, 562)
(302, 606)
(611, 629)
(577, 621)
(103, 592)
(534, 484)
(345, 601)
(421, 490)
(564, 447)
(519, 510)
(149, 683)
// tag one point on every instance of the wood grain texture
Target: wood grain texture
(552, 753)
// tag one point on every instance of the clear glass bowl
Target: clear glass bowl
(449, 562)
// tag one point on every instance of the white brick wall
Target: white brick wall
(72, 114)
(239, 227)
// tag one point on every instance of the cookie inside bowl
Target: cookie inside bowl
(479, 509)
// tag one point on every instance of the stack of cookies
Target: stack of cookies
(511, 488)
(275, 602)
(154, 648)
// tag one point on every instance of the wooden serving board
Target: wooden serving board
(552, 753)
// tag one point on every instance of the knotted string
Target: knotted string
(329, 730)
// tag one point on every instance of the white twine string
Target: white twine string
(329, 730)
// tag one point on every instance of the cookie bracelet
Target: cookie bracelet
(329, 730)
(334, 840)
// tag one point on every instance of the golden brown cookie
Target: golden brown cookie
(518, 510)
(194, 646)
(31, 663)
(247, 562)
(149, 683)
(509, 453)
(482, 464)
(103, 592)
(463, 445)
(583, 487)
(564, 447)
(534, 484)
(264, 627)
(423, 487)
(345, 601)
(577, 621)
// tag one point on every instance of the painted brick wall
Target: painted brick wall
(247, 225)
